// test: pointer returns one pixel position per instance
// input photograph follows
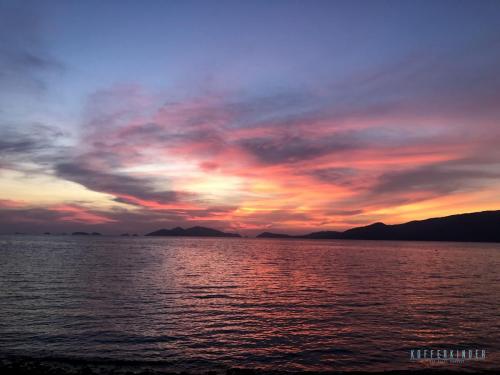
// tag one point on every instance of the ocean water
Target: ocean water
(204, 303)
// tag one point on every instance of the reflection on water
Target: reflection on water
(272, 304)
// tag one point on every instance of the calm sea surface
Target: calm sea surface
(271, 304)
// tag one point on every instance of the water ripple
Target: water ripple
(270, 304)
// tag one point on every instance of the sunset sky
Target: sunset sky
(285, 116)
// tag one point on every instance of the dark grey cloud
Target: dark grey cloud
(293, 148)
(283, 109)
(343, 176)
(290, 146)
(35, 144)
(344, 212)
(438, 179)
(33, 139)
(122, 186)
(25, 68)
(209, 141)
(17, 145)
(24, 60)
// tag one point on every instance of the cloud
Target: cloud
(352, 166)
(449, 83)
(286, 148)
(22, 216)
(326, 155)
(344, 212)
(13, 214)
(33, 144)
(126, 188)
(343, 176)
(436, 179)
(26, 68)
(17, 145)
(24, 60)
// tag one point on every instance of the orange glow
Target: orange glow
(325, 174)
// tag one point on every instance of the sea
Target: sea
(197, 304)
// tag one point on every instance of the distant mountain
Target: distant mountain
(274, 235)
(324, 234)
(86, 234)
(472, 227)
(192, 232)
(375, 231)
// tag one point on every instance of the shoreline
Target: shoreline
(13, 365)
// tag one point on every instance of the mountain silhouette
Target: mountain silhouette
(324, 234)
(472, 227)
(192, 232)
(86, 234)
(274, 235)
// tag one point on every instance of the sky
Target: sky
(285, 116)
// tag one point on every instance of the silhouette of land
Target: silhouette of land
(86, 234)
(472, 227)
(192, 232)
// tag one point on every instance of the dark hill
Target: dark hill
(472, 227)
(324, 234)
(192, 232)
(273, 235)
(86, 234)
(375, 231)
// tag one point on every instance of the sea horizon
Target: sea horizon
(238, 238)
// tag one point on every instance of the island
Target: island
(471, 227)
(192, 232)
(275, 235)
